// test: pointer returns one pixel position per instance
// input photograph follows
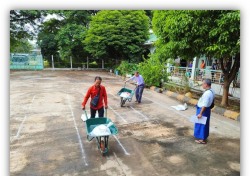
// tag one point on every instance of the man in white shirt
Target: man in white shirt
(140, 85)
(201, 131)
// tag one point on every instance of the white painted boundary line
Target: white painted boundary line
(145, 117)
(125, 151)
(24, 119)
(78, 135)
(118, 114)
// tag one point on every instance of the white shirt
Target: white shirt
(206, 99)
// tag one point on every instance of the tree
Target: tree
(64, 35)
(225, 45)
(117, 34)
(24, 24)
(69, 37)
(46, 39)
(153, 71)
(191, 33)
(23, 46)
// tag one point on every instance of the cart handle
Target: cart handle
(105, 113)
(86, 114)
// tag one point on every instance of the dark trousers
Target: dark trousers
(138, 92)
(93, 112)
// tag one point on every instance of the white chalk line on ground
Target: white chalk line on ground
(144, 116)
(116, 112)
(189, 117)
(120, 164)
(125, 151)
(24, 119)
(78, 135)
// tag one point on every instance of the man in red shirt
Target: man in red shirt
(93, 91)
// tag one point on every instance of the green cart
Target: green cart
(102, 140)
(126, 94)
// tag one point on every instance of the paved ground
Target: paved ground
(48, 137)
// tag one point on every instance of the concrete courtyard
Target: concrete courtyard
(48, 137)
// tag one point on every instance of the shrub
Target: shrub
(153, 71)
(126, 68)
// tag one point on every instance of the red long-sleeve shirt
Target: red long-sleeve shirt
(93, 91)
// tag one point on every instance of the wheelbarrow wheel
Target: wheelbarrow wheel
(122, 101)
(102, 146)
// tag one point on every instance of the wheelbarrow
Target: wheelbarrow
(102, 139)
(126, 94)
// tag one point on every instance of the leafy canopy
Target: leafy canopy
(117, 34)
(191, 33)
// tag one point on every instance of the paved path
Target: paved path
(48, 137)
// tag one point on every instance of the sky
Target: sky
(5, 8)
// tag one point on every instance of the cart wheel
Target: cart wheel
(102, 146)
(122, 101)
(105, 152)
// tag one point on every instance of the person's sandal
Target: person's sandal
(200, 142)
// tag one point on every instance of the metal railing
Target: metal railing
(216, 76)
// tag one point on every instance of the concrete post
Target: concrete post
(87, 62)
(71, 62)
(168, 67)
(52, 62)
(193, 69)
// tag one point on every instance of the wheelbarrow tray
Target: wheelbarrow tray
(126, 90)
(93, 122)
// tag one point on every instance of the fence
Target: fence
(177, 73)
(26, 62)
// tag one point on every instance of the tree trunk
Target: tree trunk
(224, 101)
(229, 75)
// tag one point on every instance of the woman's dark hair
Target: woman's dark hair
(98, 78)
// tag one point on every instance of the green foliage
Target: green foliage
(69, 37)
(226, 34)
(117, 34)
(191, 33)
(19, 19)
(93, 64)
(23, 46)
(46, 64)
(126, 68)
(185, 83)
(64, 36)
(153, 71)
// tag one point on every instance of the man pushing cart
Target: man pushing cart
(99, 128)
(140, 85)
